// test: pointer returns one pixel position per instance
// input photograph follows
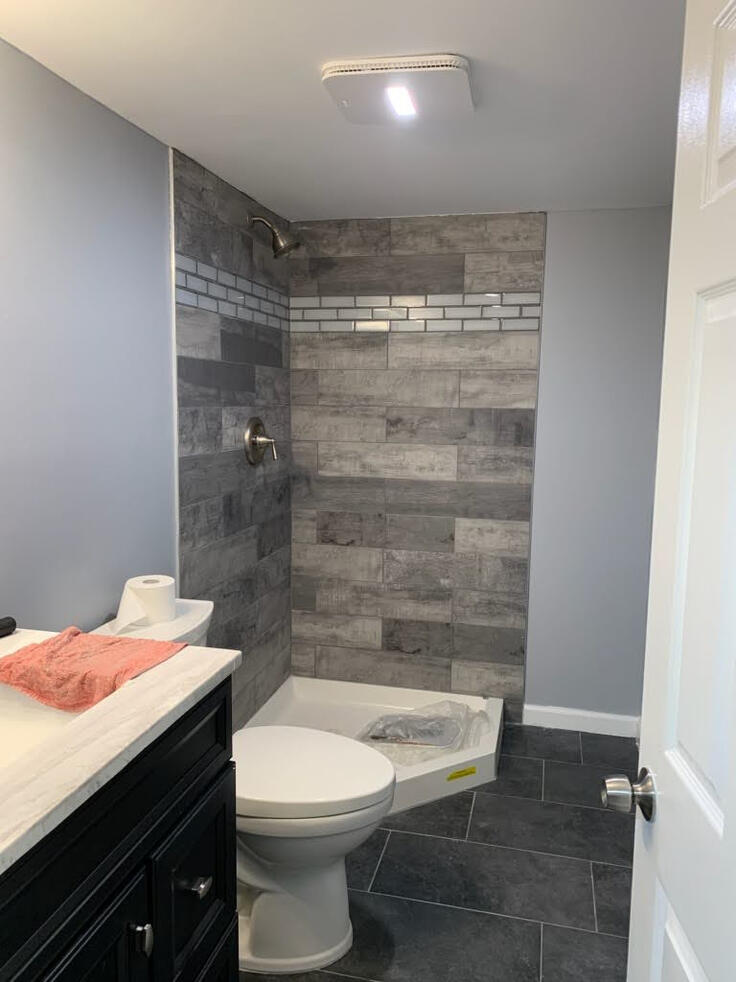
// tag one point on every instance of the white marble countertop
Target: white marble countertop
(52, 761)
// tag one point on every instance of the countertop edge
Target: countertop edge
(103, 741)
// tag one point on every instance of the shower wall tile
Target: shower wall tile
(412, 489)
(233, 348)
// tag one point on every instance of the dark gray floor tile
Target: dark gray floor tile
(517, 776)
(541, 741)
(405, 941)
(611, 750)
(446, 817)
(612, 898)
(309, 977)
(575, 784)
(501, 881)
(576, 956)
(545, 826)
(361, 863)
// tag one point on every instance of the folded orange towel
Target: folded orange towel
(73, 671)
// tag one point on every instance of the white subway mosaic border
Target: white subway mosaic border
(209, 288)
(512, 311)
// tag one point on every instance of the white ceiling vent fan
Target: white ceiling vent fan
(404, 89)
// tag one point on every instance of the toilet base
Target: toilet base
(286, 966)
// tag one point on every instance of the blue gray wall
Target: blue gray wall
(86, 391)
(599, 378)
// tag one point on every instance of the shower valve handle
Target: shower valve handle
(256, 442)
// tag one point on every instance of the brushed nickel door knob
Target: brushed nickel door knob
(620, 795)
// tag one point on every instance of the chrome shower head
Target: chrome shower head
(282, 243)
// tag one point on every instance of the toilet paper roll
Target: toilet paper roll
(146, 600)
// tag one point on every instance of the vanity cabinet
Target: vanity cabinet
(137, 884)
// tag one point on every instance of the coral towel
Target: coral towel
(73, 671)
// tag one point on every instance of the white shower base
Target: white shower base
(347, 707)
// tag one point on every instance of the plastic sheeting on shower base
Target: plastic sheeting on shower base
(349, 707)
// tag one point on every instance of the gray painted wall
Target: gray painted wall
(86, 393)
(595, 458)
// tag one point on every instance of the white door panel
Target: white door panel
(683, 920)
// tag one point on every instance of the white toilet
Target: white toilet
(190, 623)
(304, 799)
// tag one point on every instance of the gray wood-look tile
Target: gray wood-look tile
(472, 642)
(218, 561)
(395, 388)
(277, 420)
(253, 344)
(382, 667)
(503, 389)
(206, 382)
(348, 528)
(417, 637)
(491, 272)
(492, 537)
(203, 236)
(338, 351)
(302, 658)
(512, 465)
(197, 333)
(474, 607)
(310, 490)
(336, 629)
(201, 522)
(388, 460)
(473, 350)
(468, 233)
(488, 679)
(342, 237)
(345, 562)
(381, 600)
(304, 455)
(200, 430)
(330, 276)
(303, 592)
(272, 386)
(438, 570)
(303, 525)
(491, 500)
(304, 390)
(501, 881)
(489, 427)
(428, 533)
(343, 423)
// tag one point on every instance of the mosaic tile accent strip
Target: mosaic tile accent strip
(512, 311)
(200, 285)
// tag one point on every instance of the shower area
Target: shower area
(394, 362)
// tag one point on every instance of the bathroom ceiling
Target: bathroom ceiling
(576, 99)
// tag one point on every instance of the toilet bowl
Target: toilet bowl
(304, 799)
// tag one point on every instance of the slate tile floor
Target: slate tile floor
(525, 879)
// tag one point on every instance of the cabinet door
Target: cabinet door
(193, 877)
(111, 949)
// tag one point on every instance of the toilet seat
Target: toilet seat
(292, 772)
(307, 828)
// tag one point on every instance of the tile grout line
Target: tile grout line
(541, 952)
(495, 845)
(375, 871)
(595, 908)
(487, 913)
(470, 817)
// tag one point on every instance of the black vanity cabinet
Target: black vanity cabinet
(138, 884)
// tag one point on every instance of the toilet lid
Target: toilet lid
(296, 772)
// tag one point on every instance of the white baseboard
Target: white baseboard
(562, 718)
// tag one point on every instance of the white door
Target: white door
(683, 924)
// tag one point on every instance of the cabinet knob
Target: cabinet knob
(142, 935)
(200, 886)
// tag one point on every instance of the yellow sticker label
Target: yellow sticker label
(465, 772)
